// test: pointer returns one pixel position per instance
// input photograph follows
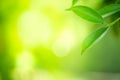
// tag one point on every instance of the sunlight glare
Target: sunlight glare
(64, 43)
(34, 28)
(25, 61)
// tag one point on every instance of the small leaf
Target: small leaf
(87, 14)
(93, 37)
(109, 10)
(74, 2)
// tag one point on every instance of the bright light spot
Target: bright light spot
(34, 28)
(64, 43)
(25, 61)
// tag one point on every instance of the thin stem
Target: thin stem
(112, 23)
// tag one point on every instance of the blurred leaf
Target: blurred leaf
(87, 14)
(97, 35)
(74, 2)
(109, 10)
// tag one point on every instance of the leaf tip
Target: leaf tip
(82, 52)
(68, 9)
(74, 2)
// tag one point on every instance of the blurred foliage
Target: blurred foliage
(45, 58)
(40, 40)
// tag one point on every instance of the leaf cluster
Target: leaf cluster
(97, 17)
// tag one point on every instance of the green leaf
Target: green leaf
(74, 2)
(87, 14)
(93, 37)
(109, 10)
